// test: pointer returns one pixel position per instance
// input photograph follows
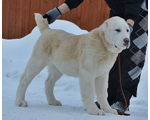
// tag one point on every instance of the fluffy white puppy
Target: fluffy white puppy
(89, 57)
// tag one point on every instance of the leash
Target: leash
(122, 112)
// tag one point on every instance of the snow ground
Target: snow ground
(15, 55)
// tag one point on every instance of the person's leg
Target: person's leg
(132, 62)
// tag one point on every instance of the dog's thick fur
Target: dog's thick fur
(89, 57)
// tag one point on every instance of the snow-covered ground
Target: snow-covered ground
(15, 55)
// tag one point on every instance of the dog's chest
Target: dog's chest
(106, 65)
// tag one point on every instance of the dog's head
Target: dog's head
(117, 32)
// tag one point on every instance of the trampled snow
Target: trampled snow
(15, 55)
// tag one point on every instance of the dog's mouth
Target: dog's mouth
(126, 46)
(126, 42)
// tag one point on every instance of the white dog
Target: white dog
(89, 57)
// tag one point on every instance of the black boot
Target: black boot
(119, 105)
(111, 97)
(116, 100)
(98, 105)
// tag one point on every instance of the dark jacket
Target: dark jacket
(127, 9)
(73, 3)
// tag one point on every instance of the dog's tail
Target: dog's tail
(41, 22)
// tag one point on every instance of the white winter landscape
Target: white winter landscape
(15, 55)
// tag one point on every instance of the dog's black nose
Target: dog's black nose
(126, 41)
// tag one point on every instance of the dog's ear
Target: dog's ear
(105, 25)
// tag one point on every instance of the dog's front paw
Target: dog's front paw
(55, 103)
(96, 112)
(110, 110)
(22, 103)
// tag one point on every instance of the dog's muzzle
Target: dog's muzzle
(126, 42)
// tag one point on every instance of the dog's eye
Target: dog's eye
(118, 30)
(127, 30)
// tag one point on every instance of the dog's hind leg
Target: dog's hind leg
(54, 75)
(34, 66)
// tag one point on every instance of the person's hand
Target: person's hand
(52, 15)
